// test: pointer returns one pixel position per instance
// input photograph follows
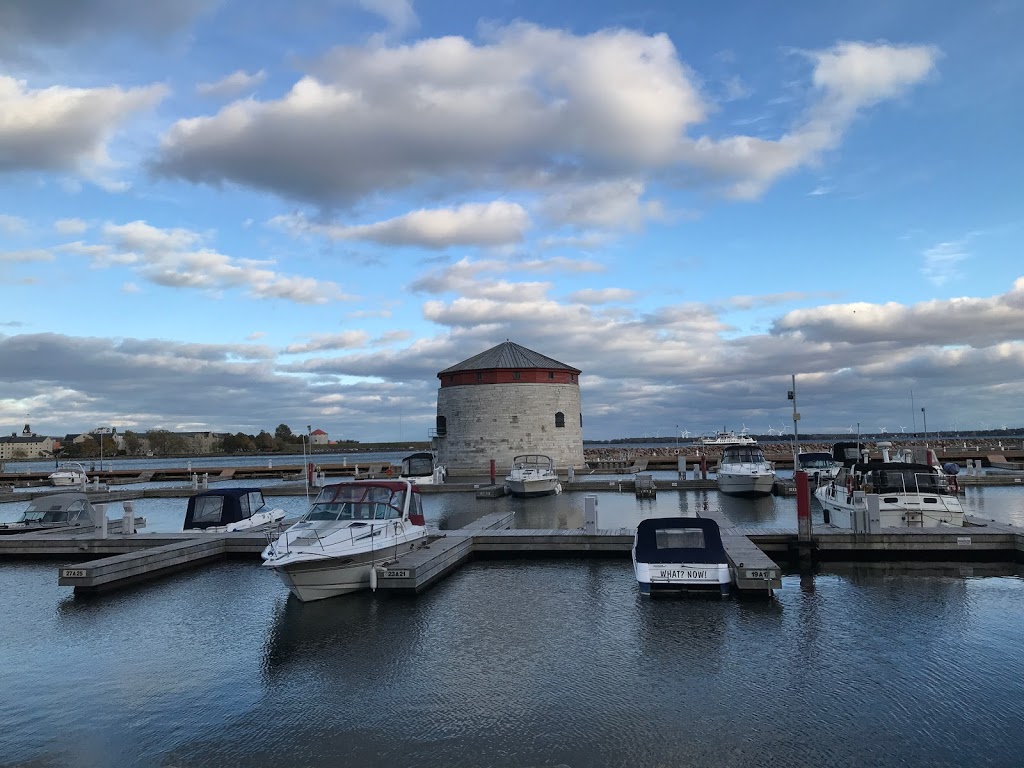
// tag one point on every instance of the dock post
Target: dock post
(492, 472)
(805, 532)
(703, 467)
(195, 482)
(128, 519)
(590, 513)
(99, 512)
(206, 480)
(570, 474)
(681, 467)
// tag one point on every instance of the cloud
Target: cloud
(328, 342)
(13, 225)
(398, 13)
(602, 296)
(479, 224)
(179, 258)
(65, 129)
(26, 24)
(24, 256)
(70, 226)
(233, 84)
(941, 261)
(528, 103)
(532, 109)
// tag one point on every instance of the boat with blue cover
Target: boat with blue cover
(680, 554)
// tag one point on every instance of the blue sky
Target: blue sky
(226, 215)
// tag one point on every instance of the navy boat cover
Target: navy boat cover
(222, 506)
(679, 540)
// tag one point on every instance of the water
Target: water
(513, 664)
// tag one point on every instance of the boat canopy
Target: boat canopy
(70, 508)
(418, 465)
(679, 540)
(846, 453)
(815, 459)
(367, 500)
(901, 477)
(222, 506)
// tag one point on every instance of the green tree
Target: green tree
(284, 433)
(263, 441)
(132, 443)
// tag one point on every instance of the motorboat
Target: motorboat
(724, 438)
(55, 510)
(532, 475)
(224, 510)
(680, 554)
(913, 492)
(420, 469)
(744, 471)
(69, 473)
(820, 466)
(348, 530)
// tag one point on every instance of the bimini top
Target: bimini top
(679, 540)
(418, 465)
(59, 508)
(222, 506)
(368, 500)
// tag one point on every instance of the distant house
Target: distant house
(318, 437)
(27, 445)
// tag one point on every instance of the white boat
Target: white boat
(55, 510)
(911, 494)
(531, 475)
(69, 473)
(680, 554)
(224, 510)
(421, 469)
(743, 471)
(724, 438)
(349, 529)
(820, 466)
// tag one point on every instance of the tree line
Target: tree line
(162, 442)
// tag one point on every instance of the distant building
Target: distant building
(318, 437)
(27, 445)
(508, 401)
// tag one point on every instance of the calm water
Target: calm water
(520, 663)
(513, 664)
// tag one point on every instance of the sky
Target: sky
(226, 215)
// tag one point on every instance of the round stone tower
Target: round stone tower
(505, 402)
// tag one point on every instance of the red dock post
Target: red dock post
(492, 471)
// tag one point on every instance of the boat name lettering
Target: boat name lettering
(72, 573)
(682, 574)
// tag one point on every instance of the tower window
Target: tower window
(551, 374)
(515, 374)
(479, 377)
(559, 419)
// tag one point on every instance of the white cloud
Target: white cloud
(328, 342)
(942, 260)
(602, 296)
(178, 258)
(398, 13)
(13, 225)
(70, 226)
(237, 82)
(529, 102)
(602, 205)
(65, 129)
(25, 256)
(481, 224)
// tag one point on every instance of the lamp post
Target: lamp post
(924, 415)
(796, 419)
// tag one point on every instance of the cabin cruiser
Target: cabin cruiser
(911, 493)
(350, 528)
(420, 469)
(820, 466)
(743, 471)
(69, 473)
(224, 510)
(55, 510)
(680, 554)
(724, 438)
(532, 475)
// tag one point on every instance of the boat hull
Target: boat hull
(907, 511)
(658, 578)
(746, 484)
(525, 489)
(66, 480)
(318, 578)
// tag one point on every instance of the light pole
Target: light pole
(924, 415)
(796, 419)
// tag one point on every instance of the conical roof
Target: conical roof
(508, 354)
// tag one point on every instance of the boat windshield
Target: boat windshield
(907, 481)
(357, 503)
(743, 454)
(816, 461)
(679, 538)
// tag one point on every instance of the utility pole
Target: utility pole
(796, 420)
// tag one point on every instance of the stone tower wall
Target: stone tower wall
(501, 421)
